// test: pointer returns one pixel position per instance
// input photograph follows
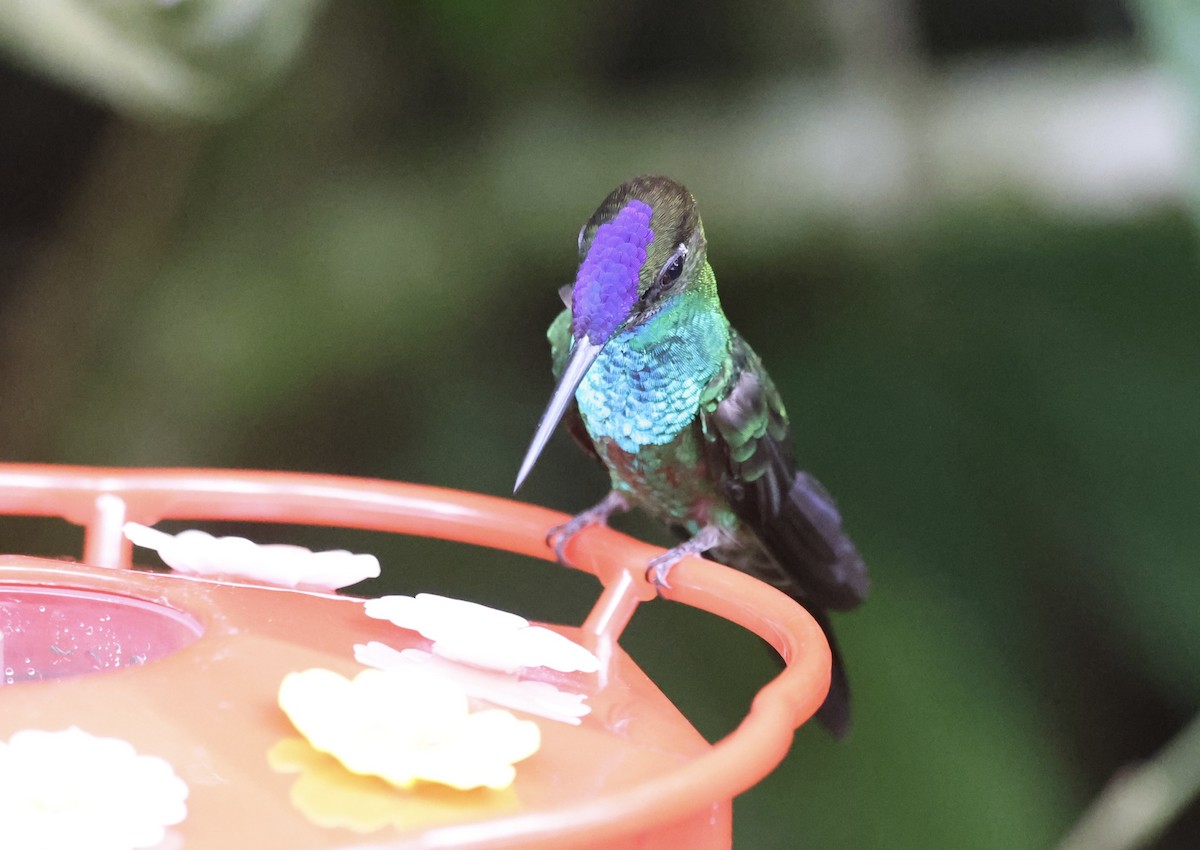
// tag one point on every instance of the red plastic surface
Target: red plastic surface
(635, 774)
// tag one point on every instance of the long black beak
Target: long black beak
(583, 355)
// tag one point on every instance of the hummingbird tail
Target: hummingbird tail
(834, 713)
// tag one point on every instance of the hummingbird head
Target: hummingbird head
(643, 246)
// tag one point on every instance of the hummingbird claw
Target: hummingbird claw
(660, 566)
(559, 536)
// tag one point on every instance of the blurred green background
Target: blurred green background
(327, 237)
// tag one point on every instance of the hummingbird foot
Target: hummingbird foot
(659, 567)
(558, 537)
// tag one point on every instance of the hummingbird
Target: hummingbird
(654, 383)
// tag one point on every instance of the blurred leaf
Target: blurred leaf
(198, 59)
(1139, 804)
(1174, 30)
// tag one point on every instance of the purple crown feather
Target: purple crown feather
(606, 287)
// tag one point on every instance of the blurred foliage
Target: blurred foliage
(353, 272)
(1173, 27)
(170, 58)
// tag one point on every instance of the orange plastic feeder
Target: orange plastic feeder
(188, 669)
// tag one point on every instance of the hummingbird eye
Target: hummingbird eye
(671, 271)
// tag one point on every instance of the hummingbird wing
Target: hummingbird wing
(559, 334)
(747, 437)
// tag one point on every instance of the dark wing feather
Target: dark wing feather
(746, 434)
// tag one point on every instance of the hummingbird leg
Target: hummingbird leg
(660, 567)
(598, 514)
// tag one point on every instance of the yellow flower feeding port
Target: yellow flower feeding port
(188, 670)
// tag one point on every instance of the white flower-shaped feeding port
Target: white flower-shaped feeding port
(407, 725)
(481, 636)
(199, 553)
(69, 790)
(494, 686)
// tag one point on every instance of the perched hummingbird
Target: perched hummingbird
(654, 382)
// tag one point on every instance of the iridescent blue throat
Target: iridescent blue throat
(646, 385)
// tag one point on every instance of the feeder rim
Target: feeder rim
(103, 499)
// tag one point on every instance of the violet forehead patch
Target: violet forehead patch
(606, 287)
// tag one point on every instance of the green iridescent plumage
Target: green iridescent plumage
(682, 414)
(638, 379)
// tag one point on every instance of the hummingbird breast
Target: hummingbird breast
(645, 387)
(639, 402)
(670, 481)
